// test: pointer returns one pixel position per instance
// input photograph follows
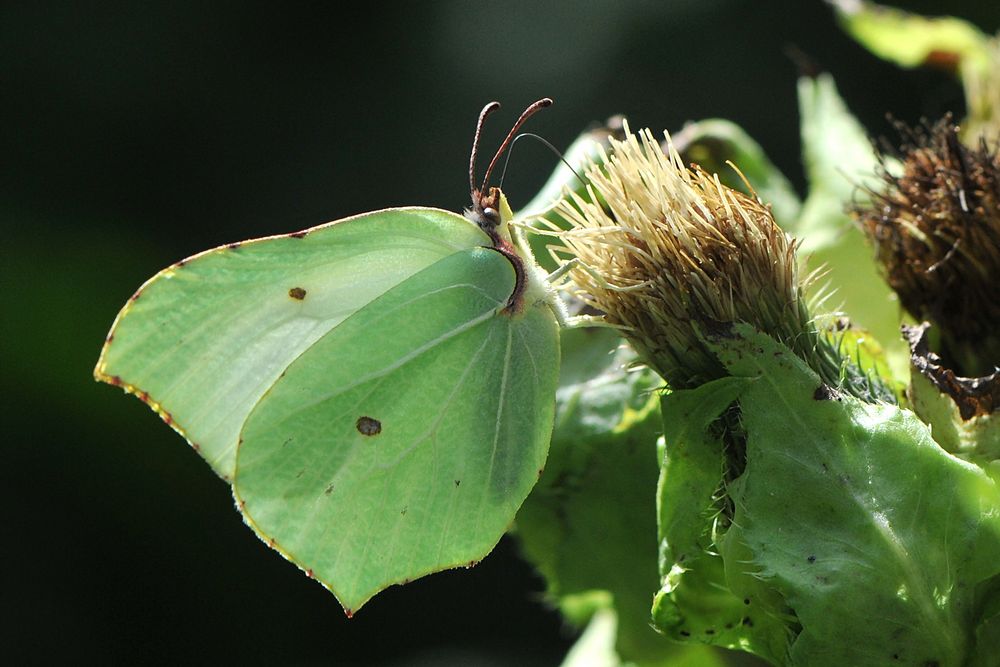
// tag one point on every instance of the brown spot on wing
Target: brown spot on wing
(299, 235)
(297, 293)
(368, 426)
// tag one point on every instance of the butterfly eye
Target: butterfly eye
(491, 215)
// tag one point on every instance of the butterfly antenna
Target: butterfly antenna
(528, 113)
(487, 110)
(503, 174)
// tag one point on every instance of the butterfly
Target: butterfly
(379, 390)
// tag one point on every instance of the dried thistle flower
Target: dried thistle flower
(936, 231)
(671, 253)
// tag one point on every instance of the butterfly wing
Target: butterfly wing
(404, 440)
(203, 340)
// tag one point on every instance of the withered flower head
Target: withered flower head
(670, 253)
(936, 230)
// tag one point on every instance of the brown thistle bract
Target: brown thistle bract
(672, 254)
(936, 231)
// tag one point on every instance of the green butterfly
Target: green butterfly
(379, 390)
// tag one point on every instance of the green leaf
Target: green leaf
(714, 142)
(911, 40)
(380, 410)
(695, 603)
(590, 524)
(976, 439)
(988, 627)
(880, 541)
(839, 159)
(693, 466)
(596, 646)
(959, 411)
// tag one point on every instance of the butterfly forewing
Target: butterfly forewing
(203, 340)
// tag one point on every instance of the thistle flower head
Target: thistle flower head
(670, 253)
(936, 230)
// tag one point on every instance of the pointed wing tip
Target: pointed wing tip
(101, 375)
(350, 603)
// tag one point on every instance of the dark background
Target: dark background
(135, 134)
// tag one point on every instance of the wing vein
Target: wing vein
(403, 360)
(472, 363)
(501, 397)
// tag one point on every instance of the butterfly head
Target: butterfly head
(490, 210)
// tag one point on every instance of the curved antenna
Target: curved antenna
(503, 174)
(487, 110)
(525, 115)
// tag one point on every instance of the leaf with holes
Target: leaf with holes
(861, 524)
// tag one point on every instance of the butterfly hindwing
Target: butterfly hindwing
(403, 441)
